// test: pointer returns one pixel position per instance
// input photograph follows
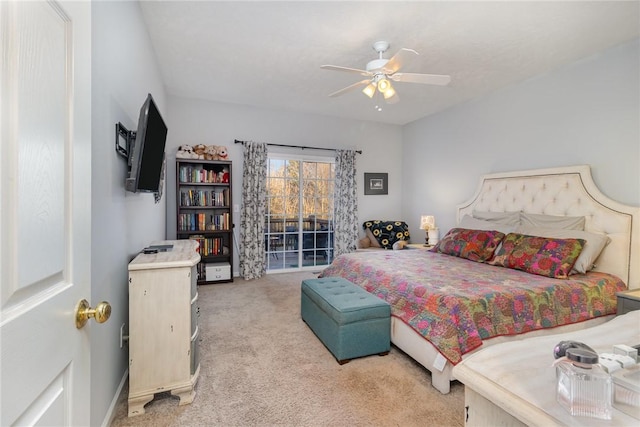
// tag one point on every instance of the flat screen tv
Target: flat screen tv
(146, 158)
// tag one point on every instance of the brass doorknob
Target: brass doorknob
(84, 311)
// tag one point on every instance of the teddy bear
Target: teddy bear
(199, 150)
(223, 154)
(185, 151)
(224, 175)
(211, 152)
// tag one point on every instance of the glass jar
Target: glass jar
(584, 388)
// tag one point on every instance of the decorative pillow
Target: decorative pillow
(474, 245)
(552, 221)
(538, 255)
(593, 246)
(387, 232)
(506, 218)
(472, 223)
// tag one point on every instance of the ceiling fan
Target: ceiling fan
(380, 72)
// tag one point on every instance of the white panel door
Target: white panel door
(45, 211)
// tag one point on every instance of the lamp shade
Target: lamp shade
(383, 85)
(427, 222)
(389, 92)
(369, 90)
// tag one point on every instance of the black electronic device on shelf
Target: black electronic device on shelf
(144, 149)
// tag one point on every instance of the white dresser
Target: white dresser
(163, 324)
(514, 383)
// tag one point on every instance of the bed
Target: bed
(437, 323)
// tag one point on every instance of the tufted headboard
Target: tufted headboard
(567, 191)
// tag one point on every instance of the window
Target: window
(299, 212)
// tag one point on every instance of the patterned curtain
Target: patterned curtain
(346, 203)
(254, 179)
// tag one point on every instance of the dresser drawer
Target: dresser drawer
(218, 271)
(195, 351)
(195, 313)
(628, 301)
(626, 305)
(194, 281)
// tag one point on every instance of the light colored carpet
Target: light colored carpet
(261, 365)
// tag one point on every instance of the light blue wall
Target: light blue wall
(194, 121)
(124, 70)
(587, 112)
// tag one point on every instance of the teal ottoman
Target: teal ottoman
(348, 320)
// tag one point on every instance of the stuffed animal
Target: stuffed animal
(199, 150)
(400, 244)
(185, 151)
(225, 174)
(223, 154)
(211, 152)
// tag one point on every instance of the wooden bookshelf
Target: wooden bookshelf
(204, 211)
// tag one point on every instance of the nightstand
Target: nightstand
(628, 301)
(419, 246)
(496, 392)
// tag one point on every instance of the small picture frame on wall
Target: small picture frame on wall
(376, 183)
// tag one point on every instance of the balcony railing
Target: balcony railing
(282, 237)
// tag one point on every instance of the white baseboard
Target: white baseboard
(108, 419)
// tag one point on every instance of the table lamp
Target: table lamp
(428, 224)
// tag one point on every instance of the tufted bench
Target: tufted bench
(348, 320)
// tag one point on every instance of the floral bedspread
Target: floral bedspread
(455, 303)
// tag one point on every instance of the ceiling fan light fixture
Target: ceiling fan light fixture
(389, 92)
(369, 90)
(383, 85)
(379, 73)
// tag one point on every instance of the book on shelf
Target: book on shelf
(200, 222)
(210, 246)
(213, 198)
(198, 174)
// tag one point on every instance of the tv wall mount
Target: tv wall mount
(125, 139)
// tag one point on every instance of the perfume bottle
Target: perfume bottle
(584, 388)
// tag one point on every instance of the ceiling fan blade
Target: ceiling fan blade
(427, 79)
(347, 69)
(398, 60)
(349, 88)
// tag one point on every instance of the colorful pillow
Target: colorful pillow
(539, 255)
(474, 245)
(387, 232)
(593, 246)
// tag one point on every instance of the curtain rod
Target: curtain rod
(299, 146)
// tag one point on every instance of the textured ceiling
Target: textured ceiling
(268, 54)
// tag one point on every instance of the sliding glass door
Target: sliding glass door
(299, 217)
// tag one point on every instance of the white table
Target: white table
(513, 384)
